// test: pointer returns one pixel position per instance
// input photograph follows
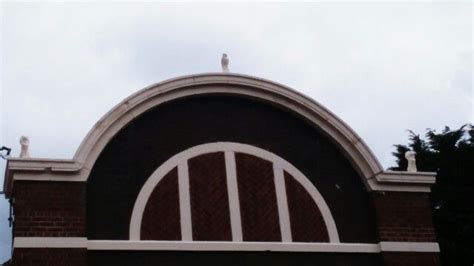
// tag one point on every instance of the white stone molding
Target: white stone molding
(184, 201)
(231, 84)
(43, 165)
(181, 158)
(225, 63)
(233, 246)
(411, 158)
(79, 242)
(284, 97)
(25, 144)
(233, 192)
(409, 246)
(405, 181)
(282, 203)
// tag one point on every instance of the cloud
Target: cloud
(381, 67)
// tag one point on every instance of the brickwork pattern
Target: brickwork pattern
(49, 257)
(307, 223)
(209, 199)
(410, 259)
(161, 218)
(404, 217)
(257, 196)
(49, 209)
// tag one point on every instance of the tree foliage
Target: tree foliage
(449, 153)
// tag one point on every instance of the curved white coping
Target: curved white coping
(231, 84)
(155, 178)
(72, 242)
(208, 83)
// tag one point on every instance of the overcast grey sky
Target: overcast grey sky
(381, 67)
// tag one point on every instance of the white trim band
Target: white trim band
(282, 202)
(233, 246)
(233, 192)
(78, 242)
(184, 202)
(409, 246)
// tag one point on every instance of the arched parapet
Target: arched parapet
(353, 147)
(281, 178)
(234, 84)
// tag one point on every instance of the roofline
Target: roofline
(79, 167)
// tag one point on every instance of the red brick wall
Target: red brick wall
(49, 257)
(161, 218)
(49, 209)
(307, 223)
(257, 196)
(209, 199)
(410, 259)
(404, 216)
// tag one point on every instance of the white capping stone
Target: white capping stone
(25, 143)
(225, 63)
(410, 156)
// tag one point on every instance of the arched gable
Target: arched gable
(228, 84)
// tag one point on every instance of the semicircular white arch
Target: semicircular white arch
(278, 163)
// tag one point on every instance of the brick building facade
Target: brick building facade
(218, 169)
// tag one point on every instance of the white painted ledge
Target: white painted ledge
(234, 246)
(409, 246)
(43, 164)
(407, 177)
(78, 242)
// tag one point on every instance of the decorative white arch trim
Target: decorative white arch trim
(233, 192)
(232, 84)
(282, 202)
(229, 148)
(78, 168)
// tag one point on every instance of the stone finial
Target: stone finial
(410, 156)
(225, 63)
(25, 143)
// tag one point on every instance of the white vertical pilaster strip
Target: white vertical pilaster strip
(233, 192)
(282, 202)
(184, 201)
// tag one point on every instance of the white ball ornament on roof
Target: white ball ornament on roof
(25, 143)
(410, 156)
(225, 63)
